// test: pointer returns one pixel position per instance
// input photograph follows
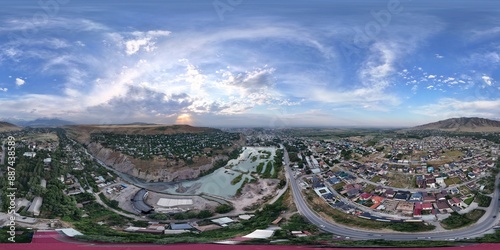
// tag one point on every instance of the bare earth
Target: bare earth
(253, 193)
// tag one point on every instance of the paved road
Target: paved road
(484, 225)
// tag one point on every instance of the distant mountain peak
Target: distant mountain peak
(43, 122)
(462, 124)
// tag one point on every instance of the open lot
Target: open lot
(452, 181)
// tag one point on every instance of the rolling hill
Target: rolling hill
(6, 127)
(462, 124)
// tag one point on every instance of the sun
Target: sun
(184, 119)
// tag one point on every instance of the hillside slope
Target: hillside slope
(463, 124)
(153, 166)
(6, 127)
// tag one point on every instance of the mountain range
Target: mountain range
(41, 122)
(462, 124)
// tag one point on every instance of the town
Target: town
(434, 183)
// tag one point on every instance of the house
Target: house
(29, 154)
(440, 197)
(417, 211)
(440, 181)
(420, 181)
(429, 197)
(430, 183)
(417, 196)
(365, 196)
(426, 206)
(353, 193)
(443, 207)
(333, 180)
(223, 221)
(389, 193)
(379, 189)
(349, 187)
(454, 201)
(377, 200)
(402, 195)
(454, 191)
(316, 182)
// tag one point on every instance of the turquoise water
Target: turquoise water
(219, 182)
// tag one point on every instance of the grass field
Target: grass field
(376, 178)
(469, 200)
(454, 154)
(42, 137)
(399, 180)
(461, 220)
(452, 180)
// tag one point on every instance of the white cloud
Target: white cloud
(133, 46)
(157, 33)
(431, 76)
(449, 108)
(137, 40)
(487, 80)
(438, 56)
(20, 82)
(451, 81)
(379, 64)
(4, 89)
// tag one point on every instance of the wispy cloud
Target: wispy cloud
(449, 108)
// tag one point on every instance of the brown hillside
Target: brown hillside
(463, 124)
(6, 127)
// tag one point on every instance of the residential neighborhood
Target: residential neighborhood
(398, 179)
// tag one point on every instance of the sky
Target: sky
(246, 63)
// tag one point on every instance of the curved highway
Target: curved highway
(484, 225)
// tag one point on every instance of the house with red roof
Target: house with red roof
(455, 201)
(365, 196)
(377, 200)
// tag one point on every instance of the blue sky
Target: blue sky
(250, 62)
